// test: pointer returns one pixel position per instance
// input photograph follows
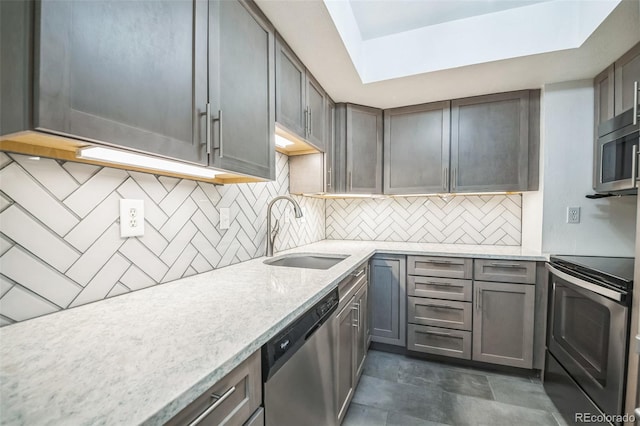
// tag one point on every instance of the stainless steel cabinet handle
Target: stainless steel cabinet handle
(218, 399)
(453, 178)
(350, 181)
(329, 178)
(219, 120)
(306, 122)
(635, 103)
(356, 308)
(208, 128)
(477, 298)
(439, 284)
(310, 122)
(435, 333)
(445, 178)
(442, 306)
(441, 262)
(506, 265)
(360, 272)
(634, 165)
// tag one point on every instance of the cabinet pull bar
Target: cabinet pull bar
(218, 399)
(220, 133)
(439, 284)
(360, 272)
(453, 179)
(208, 128)
(445, 176)
(634, 165)
(506, 265)
(329, 178)
(442, 306)
(441, 262)
(436, 333)
(310, 122)
(350, 181)
(635, 103)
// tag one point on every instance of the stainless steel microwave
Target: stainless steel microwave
(617, 155)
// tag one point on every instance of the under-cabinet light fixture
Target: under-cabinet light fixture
(282, 142)
(144, 161)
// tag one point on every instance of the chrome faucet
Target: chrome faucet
(272, 233)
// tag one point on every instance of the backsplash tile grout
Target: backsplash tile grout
(76, 205)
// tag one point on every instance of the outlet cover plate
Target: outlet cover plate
(131, 218)
(573, 214)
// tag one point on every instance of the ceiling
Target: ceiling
(308, 27)
(382, 18)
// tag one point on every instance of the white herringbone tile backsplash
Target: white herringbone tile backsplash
(460, 219)
(60, 244)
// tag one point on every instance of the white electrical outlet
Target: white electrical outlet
(573, 214)
(224, 218)
(131, 218)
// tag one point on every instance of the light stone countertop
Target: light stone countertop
(143, 356)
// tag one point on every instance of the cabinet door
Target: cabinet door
(242, 89)
(364, 150)
(361, 301)
(345, 332)
(388, 300)
(627, 71)
(316, 110)
(416, 149)
(129, 74)
(290, 90)
(603, 96)
(503, 323)
(490, 143)
(329, 149)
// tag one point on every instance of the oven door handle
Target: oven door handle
(611, 294)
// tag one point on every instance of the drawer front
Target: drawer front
(440, 313)
(439, 341)
(349, 285)
(506, 271)
(232, 400)
(440, 288)
(447, 267)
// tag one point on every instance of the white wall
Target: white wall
(607, 226)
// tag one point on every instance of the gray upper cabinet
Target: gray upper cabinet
(316, 113)
(416, 149)
(490, 143)
(627, 72)
(388, 299)
(604, 96)
(290, 90)
(301, 103)
(242, 89)
(503, 323)
(124, 73)
(358, 149)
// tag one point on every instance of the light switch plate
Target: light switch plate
(131, 218)
(224, 218)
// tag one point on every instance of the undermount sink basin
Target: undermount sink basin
(307, 260)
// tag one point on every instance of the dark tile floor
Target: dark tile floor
(396, 390)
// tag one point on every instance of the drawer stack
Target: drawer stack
(439, 305)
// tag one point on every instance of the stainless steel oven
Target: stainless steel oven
(616, 162)
(588, 335)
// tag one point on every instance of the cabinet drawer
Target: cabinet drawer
(235, 397)
(440, 313)
(439, 341)
(506, 271)
(448, 267)
(439, 288)
(257, 419)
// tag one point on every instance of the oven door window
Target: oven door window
(581, 327)
(617, 158)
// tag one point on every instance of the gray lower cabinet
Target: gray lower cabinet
(233, 400)
(352, 340)
(490, 142)
(416, 149)
(439, 313)
(242, 89)
(503, 323)
(130, 74)
(510, 271)
(388, 296)
(439, 341)
(358, 149)
(627, 72)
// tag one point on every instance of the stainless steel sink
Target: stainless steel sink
(307, 260)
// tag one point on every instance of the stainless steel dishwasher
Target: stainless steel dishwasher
(298, 369)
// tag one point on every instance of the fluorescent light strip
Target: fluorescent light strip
(282, 142)
(144, 161)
